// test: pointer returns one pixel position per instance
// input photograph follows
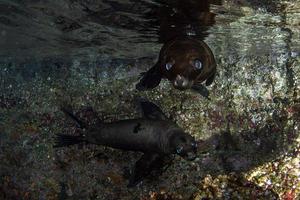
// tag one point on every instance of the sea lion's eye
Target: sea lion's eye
(198, 64)
(179, 150)
(194, 144)
(169, 66)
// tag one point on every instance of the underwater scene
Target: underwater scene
(149, 99)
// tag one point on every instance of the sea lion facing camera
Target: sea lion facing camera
(185, 62)
(153, 134)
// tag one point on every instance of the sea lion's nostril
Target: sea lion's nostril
(179, 82)
(191, 156)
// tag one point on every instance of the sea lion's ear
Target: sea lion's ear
(151, 111)
(211, 77)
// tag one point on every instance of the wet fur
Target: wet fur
(154, 135)
(182, 51)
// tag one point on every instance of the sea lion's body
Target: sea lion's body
(144, 135)
(185, 62)
(153, 134)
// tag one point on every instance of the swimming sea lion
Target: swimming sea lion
(185, 62)
(153, 134)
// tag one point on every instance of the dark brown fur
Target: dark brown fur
(153, 134)
(181, 52)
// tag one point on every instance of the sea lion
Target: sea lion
(153, 134)
(185, 62)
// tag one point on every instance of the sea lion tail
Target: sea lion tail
(68, 112)
(63, 140)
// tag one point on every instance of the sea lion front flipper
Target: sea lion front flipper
(211, 78)
(151, 111)
(150, 79)
(201, 89)
(144, 166)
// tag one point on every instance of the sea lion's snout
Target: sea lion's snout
(182, 82)
(188, 154)
(191, 156)
(185, 145)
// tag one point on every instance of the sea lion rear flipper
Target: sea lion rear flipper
(150, 79)
(62, 140)
(151, 111)
(211, 78)
(201, 89)
(144, 166)
(68, 111)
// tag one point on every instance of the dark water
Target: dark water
(91, 54)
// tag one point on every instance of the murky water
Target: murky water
(89, 54)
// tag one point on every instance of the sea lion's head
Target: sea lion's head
(186, 62)
(183, 145)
